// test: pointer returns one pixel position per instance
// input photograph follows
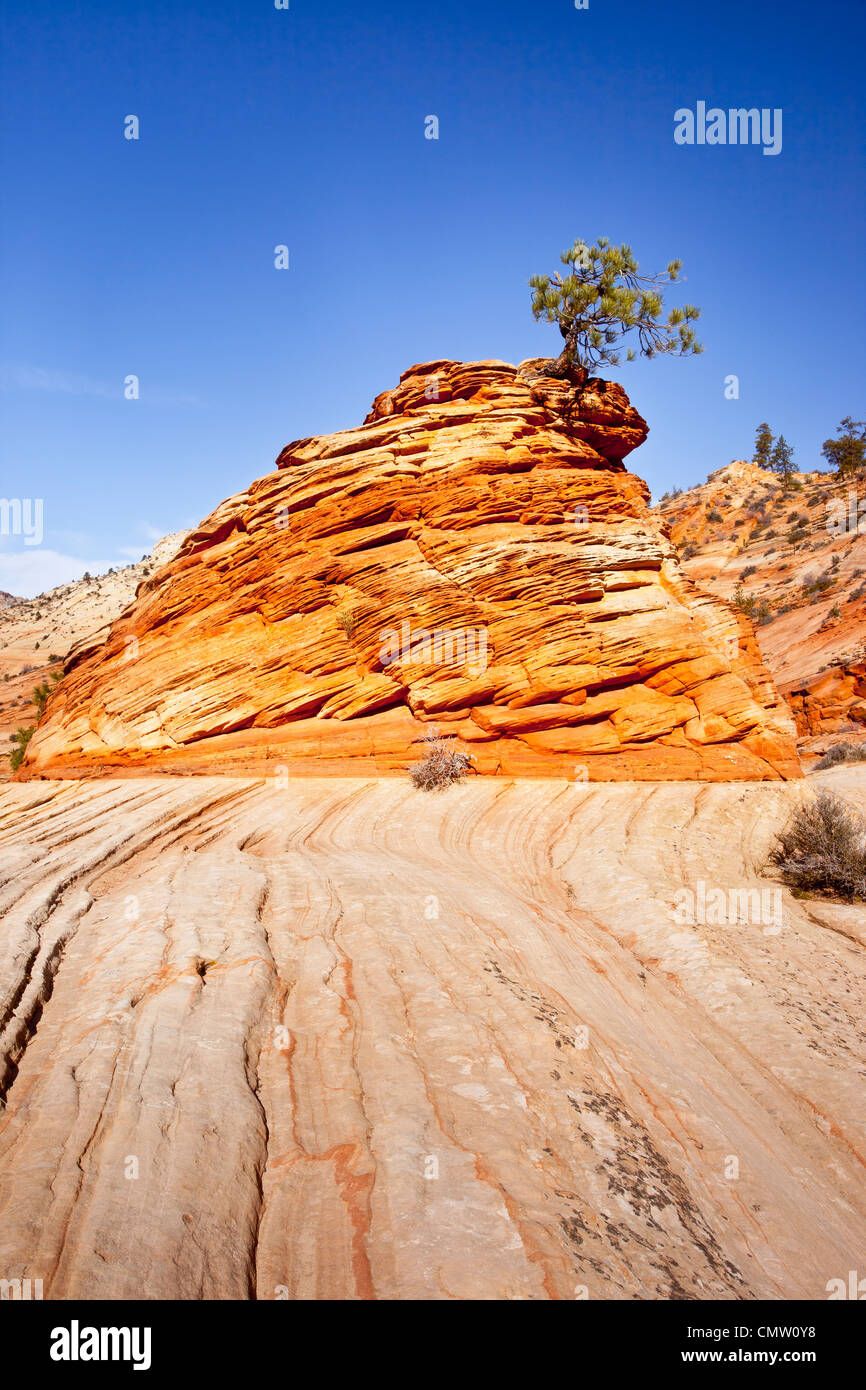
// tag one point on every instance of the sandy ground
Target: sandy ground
(341, 1039)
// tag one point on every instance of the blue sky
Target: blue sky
(305, 127)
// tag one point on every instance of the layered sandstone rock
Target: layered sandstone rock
(474, 555)
(800, 553)
(832, 701)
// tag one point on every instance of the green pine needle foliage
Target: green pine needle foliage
(601, 297)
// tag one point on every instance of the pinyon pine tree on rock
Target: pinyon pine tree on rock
(601, 299)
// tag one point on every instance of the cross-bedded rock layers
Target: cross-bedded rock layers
(475, 555)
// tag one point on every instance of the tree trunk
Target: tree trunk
(565, 366)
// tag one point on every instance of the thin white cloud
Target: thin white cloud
(19, 377)
(24, 378)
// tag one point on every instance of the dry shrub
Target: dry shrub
(444, 762)
(347, 621)
(842, 753)
(822, 849)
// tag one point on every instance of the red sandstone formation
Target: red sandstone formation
(474, 555)
(800, 552)
(832, 701)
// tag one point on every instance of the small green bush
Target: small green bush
(21, 737)
(759, 610)
(818, 586)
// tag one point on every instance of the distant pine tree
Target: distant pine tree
(782, 460)
(763, 446)
(847, 454)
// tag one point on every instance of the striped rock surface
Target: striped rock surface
(474, 555)
(343, 1039)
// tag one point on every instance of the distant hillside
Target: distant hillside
(37, 634)
(799, 564)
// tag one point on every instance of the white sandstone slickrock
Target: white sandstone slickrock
(327, 1041)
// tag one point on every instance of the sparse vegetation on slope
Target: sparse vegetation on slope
(788, 553)
(759, 610)
(842, 753)
(44, 689)
(20, 738)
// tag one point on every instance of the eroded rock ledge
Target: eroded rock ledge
(475, 554)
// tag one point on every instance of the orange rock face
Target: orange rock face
(800, 553)
(474, 555)
(833, 701)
